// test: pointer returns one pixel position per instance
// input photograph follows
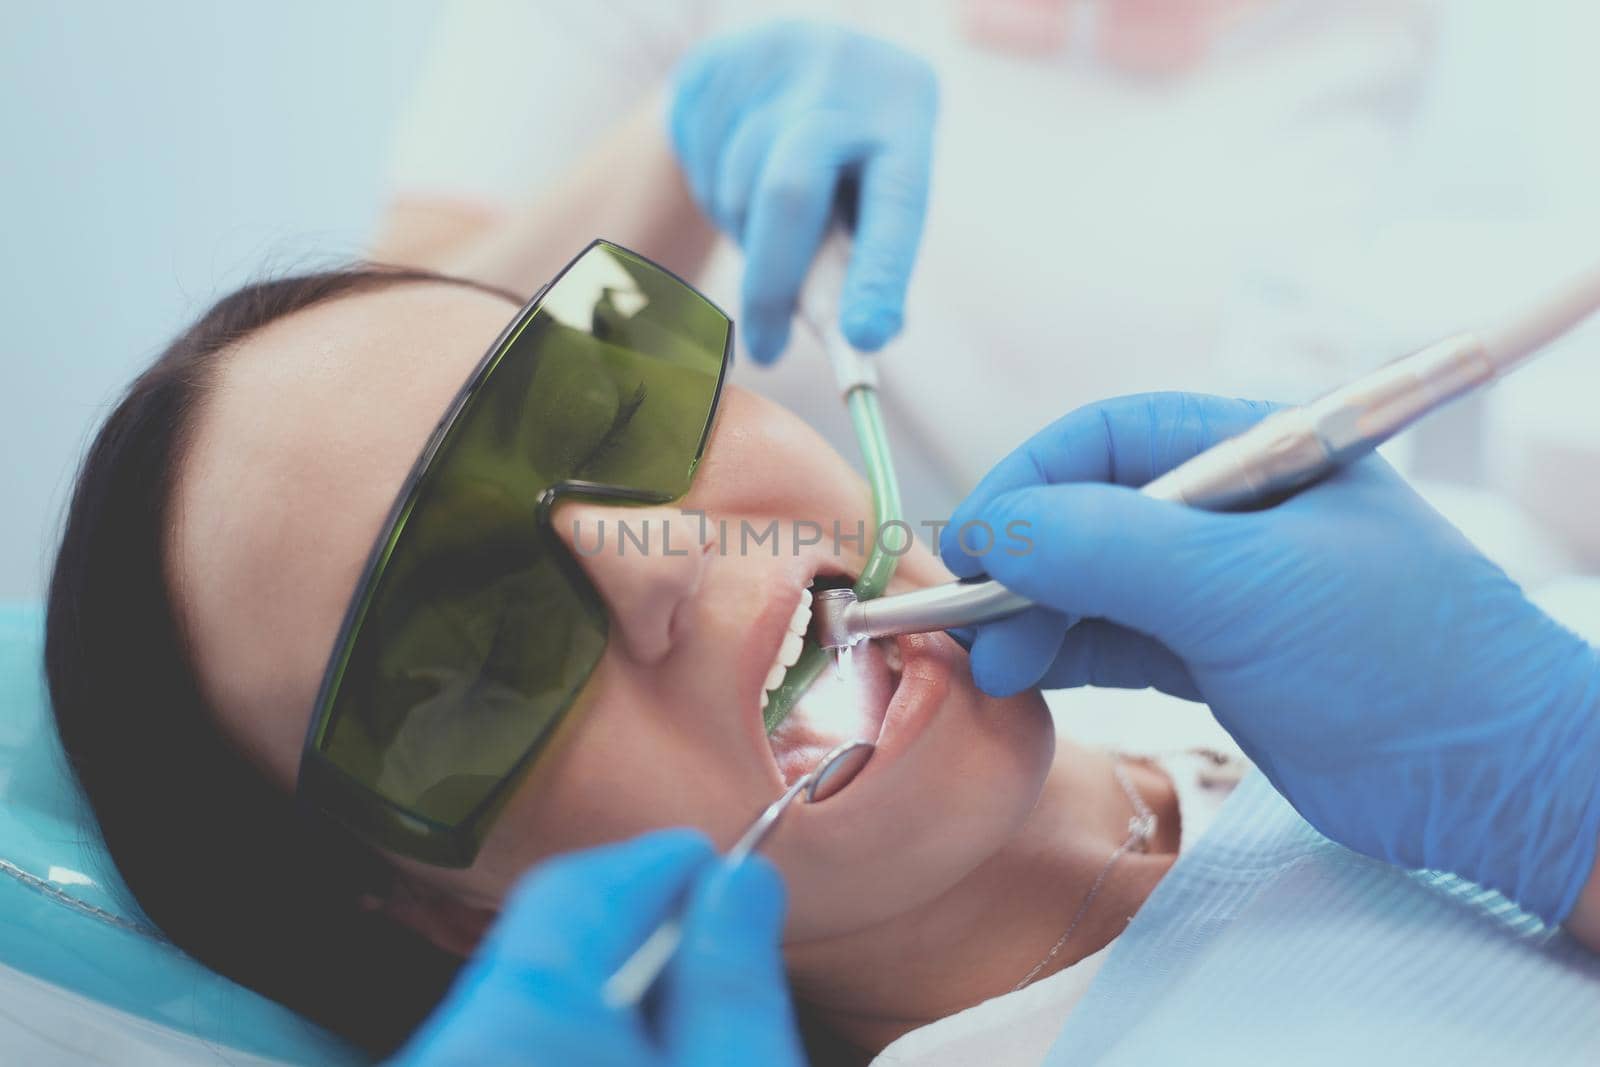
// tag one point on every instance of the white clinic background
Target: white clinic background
(154, 155)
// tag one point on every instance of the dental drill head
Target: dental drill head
(829, 611)
(840, 620)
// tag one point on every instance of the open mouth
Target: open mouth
(847, 702)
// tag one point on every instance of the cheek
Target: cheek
(634, 758)
(763, 460)
(975, 779)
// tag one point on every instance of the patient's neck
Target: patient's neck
(980, 938)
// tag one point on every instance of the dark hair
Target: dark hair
(219, 858)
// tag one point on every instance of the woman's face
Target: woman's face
(293, 465)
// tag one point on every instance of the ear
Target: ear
(447, 921)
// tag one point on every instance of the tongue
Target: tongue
(835, 710)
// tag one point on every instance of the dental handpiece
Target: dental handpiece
(1284, 452)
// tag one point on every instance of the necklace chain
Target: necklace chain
(1141, 831)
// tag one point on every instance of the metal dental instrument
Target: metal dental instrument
(629, 984)
(839, 619)
(1284, 452)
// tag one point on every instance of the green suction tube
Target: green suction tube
(867, 418)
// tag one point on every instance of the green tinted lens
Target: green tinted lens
(475, 629)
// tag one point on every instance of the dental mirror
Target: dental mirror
(838, 769)
(629, 983)
(832, 773)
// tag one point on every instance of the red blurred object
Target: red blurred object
(1155, 38)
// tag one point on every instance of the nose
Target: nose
(646, 563)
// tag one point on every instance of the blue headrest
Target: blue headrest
(82, 972)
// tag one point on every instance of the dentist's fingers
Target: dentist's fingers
(1108, 552)
(1129, 441)
(1013, 654)
(706, 106)
(609, 900)
(726, 998)
(889, 217)
(532, 992)
(739, 168)
(787, 218)
(1100, 653)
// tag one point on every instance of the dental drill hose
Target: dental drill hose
(1283, 453)
(858, 383)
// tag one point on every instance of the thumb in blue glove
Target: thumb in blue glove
(771, 124)
(532, 993)
(725, 997)
(1393, 684)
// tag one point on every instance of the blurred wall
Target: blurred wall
(152, 155)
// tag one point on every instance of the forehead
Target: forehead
(299, 450)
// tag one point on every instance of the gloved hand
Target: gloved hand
(1392, 683)
(532, 993)
(767, 124)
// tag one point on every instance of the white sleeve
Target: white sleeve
(512, 91)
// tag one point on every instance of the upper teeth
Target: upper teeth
(789, 651)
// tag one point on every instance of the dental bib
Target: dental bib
(1268, 943)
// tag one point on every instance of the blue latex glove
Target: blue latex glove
(1393, 684)
(767, 123)
(532, 993)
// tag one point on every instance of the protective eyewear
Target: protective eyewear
(473, 630)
